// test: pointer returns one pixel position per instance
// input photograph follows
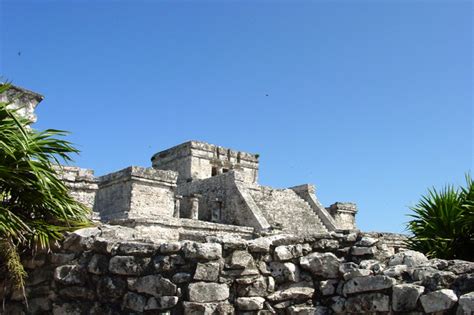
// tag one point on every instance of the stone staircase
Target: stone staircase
(285, 210)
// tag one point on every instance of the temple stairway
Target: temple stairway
(285, 210)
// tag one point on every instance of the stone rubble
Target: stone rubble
(94, 273)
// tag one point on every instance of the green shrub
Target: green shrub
(442, 225)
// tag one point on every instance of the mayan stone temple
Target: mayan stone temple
(195, 233)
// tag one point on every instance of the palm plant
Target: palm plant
(35, 208)
(443, 223)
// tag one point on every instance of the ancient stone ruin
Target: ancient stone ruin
(196, 234)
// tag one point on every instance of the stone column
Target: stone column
(194, 213)
(344, 214)
(177, 205)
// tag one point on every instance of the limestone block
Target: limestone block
(370, 283)
(288, 252)
(154, 285)
(321, 264)
(328, 287)
(111, 288)
(326, 244)
(181, 277)
(438, 301)
(193, 308)
(81, 239)
(39, 305)
(170, 247)
(208, 292)
(308, 310)
(128, 265)
(66, 308)
(167, 263)
(376, 266)
(61, 258)
(99, 264)
(207, 271)
(283, 272)
(134, 302)
(405, 296)
(338, 304)
(161, 303)
(241, 259)
(296, 292)
(255, 286)
(397, 271)
(357, 273)
(250, 303)
(366, 241)
(260, 245)
(207, 251)
(77, 292)
(361, 251)
(365, 303)
(410, 258)
(69, 274)
(137, 248)
(466, 304)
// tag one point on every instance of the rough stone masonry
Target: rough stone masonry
(196, 234)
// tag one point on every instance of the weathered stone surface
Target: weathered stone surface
(134, 302)
(137, 249)
(66, 308)
(376, 266)
(370, 302)
(170, 247)
(39, 305)
(361, 251)
(81, 239)
(241, 259)
(298, 291)
(193, 308)
(328, 287)
(208, 292)
(260, 245)
(326, 244)
(77, 292)
(61, 258)
(207, 271)
(405, 297)
(460, 266)
(255, 286)
(338, 304)
(397, 271)
(99, 264)
(357, 273)
(167, 263)
(181, 277)
(154, 285)
(207, 251)
(250, 303)
(161, 303)
(283, 272)
(365, 284)
(410, 258)
(321, 264)
(288, 252)
(69, 274)
(438, 301)
(366, 241)
(466, 304)
(111, 288)
(308, 310)
(128, 265)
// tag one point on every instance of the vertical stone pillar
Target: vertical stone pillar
(216, 214)
(194, 213)
(344, 214)
(177, 205)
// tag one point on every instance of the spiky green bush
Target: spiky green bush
(35, 208)
(442, 224)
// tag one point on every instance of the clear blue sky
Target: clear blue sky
(369, 100)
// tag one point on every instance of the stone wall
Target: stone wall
(96, 272)
(81, 183)
(136, 192)
(23, 100)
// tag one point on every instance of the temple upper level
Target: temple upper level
(194, 160)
